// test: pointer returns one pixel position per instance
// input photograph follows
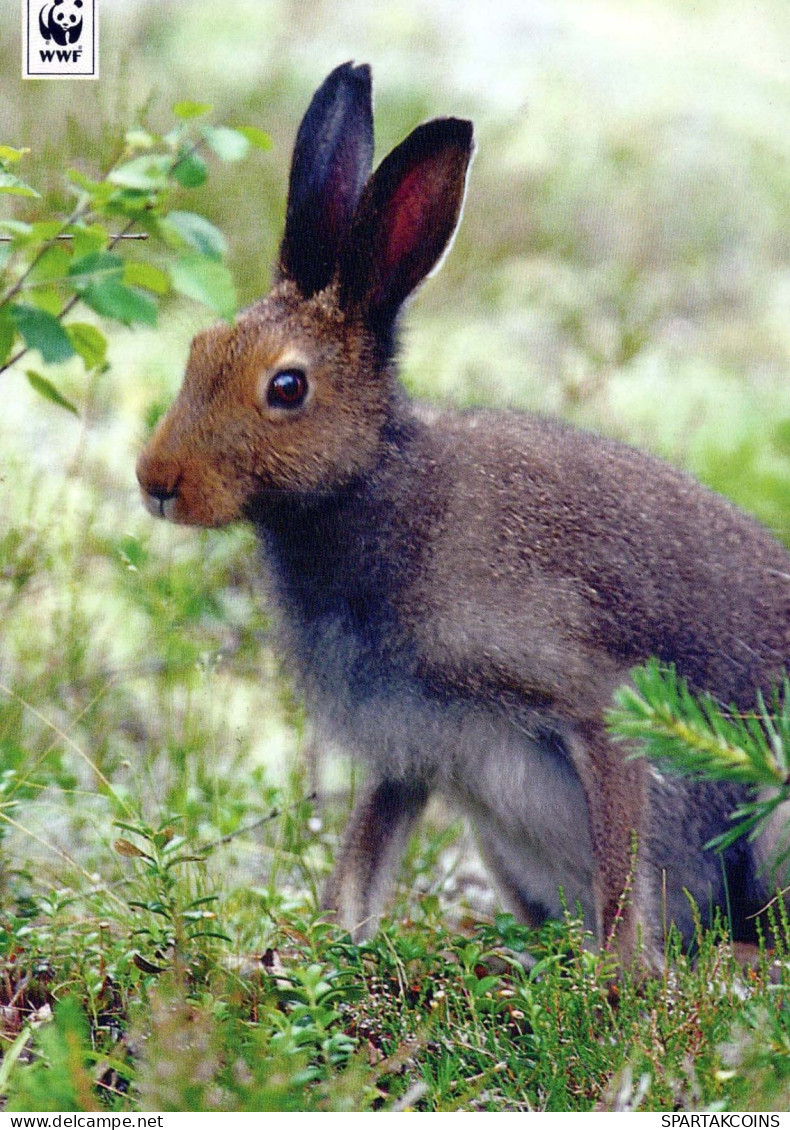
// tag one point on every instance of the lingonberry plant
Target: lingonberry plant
(124, 246)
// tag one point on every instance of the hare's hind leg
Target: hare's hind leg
(627, 910)
(373, 843)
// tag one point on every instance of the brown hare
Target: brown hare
(459, 593)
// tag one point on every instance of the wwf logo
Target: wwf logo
(61, 21)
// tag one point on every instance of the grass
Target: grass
(418, 1018)
(623, 262)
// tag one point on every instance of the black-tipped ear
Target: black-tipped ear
(332, 159)
(406, 218)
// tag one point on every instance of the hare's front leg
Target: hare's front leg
(373, 843)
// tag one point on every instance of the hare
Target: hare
(459, 593)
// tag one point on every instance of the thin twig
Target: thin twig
(75, 298)
(273, 815)
(79, 212)
(69, 235)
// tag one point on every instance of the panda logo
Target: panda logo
(61, 20)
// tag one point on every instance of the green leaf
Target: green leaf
(139, 139)
(8, 153)
(256, 137)
(190, 170)
(53, 264)
(7, 337)
(13, 186)
(96, 265)
(145, 173)
(206, 281)
(11, 1056)
(46, 389)
(132, 202)
(48, 229)
(187, 109)
(42, 331)
(228, 144)
(112, 299)
(153, 278)
(92, 237)
(98, 190)
(196, 232)
(46, 298)
(89, 342)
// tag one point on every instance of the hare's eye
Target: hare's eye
(287, 389)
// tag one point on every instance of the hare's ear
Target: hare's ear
(406, 218)
(332, 159)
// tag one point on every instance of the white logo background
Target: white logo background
(60, 39)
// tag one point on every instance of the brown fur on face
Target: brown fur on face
(221, 446)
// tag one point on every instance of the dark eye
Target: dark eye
(287, 389)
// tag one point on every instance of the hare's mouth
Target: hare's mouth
(161, 500)
(161, 506)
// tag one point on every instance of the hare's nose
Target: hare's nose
(159, 481)
(162, 494)
(157, 498)
(158, 494)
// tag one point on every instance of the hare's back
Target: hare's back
(576, 548)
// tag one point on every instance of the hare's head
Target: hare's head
(294, 397)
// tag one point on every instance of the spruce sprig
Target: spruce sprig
(697, 736)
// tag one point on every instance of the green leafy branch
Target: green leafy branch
(49, 266)
(694, 735)
(170, 918)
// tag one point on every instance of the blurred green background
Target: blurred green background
(624, 261)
